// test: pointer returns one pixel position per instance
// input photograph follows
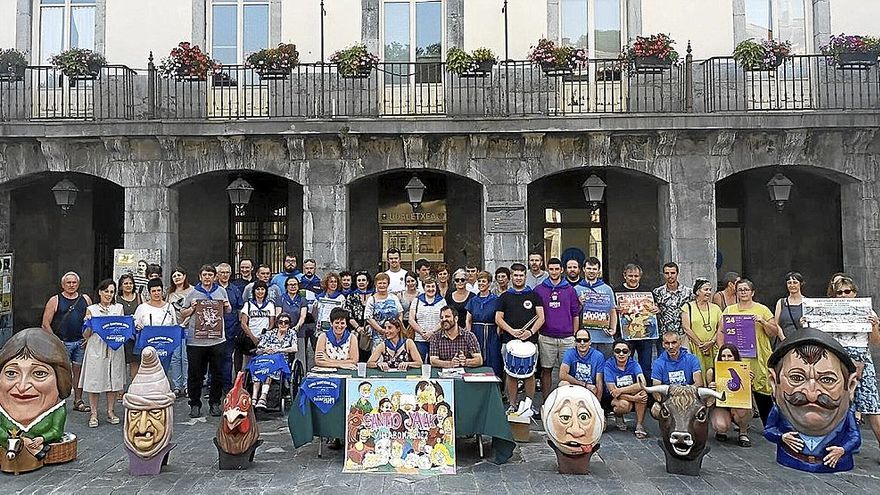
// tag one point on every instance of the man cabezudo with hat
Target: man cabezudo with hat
(813, 382)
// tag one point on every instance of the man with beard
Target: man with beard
(454, 347)
(573, 272)
(289, 270)
(813, 381)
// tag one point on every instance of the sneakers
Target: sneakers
(195, 412)
(261, 404)
(216, 411)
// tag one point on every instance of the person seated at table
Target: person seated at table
(395, 351)
(337, 347)
(454, 347)
(583, 365)
(278, 340)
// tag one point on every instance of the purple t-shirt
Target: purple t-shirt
(561, 306)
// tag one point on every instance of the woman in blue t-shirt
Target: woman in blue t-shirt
(626, 385)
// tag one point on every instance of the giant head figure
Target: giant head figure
(149, 411)
(813, 381)
(574, 423)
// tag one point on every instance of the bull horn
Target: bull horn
(706, 392)
(658, 389)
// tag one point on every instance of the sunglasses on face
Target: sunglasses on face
(844, 291)
(283, 322)
(621, 351)
(582, 341)
(460, 280)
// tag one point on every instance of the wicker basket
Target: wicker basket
(63, 451)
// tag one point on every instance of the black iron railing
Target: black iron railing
(802, 82)
(39, 93)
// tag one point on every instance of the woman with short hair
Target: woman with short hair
(280, 339)
(459, 297)
(381, 306)
(355, 304)
(701, 322)
(790, 309)
(103, 369)
(424, 317)
(177, 294)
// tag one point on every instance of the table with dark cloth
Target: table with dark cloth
(478, 411)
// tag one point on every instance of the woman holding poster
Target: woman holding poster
(865, 400)
(723, 417)
(103, 369)
(764, 329)
(701, 322)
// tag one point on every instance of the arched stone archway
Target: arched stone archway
(447, 226)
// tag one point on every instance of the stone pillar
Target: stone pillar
(633, 19)
(5, 219)
(454, 24)
(739, 21)
(821, 23)
(370, 25)
(860, 213)
(553, 20)
(151, 221)
(23, 26)
(325, 214)
(687, 218)
(199, 23)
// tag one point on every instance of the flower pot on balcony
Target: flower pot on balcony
(764, 67)
(11, 73)
(651, 64)
(361, 73)
(273, 74)
(483, 69)
(857, 60)
(553, 70)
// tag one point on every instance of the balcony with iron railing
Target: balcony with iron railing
(405, 89)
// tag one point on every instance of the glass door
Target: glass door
(416, 243)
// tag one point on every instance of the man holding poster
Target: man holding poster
(598, 313)
(637, 309)
(765, 328)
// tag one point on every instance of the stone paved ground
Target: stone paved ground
(625, 465)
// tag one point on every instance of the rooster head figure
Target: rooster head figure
(238, 427)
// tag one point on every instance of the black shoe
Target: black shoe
(195, 412)
(215, 410)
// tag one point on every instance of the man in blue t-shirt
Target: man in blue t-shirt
(676, 366)
(625, 384)
(583, 365)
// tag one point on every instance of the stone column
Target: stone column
(860, 213)
(687, 217)
(151, 221)
(370, 25)
(5, 219)
(633, 20)
(821, 23)
(325, 214)
(454, 24)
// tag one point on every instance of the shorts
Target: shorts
(76, 351)
(551, 350)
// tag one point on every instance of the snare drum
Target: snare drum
(521, 359)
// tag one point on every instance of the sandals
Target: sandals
(93, 422)
(640, 432)
(81, 406)
(113, 419)
(721, 437)
(620, 422)
(744, 441)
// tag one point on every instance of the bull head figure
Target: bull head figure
(683, 416)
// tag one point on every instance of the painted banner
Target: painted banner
(208, 319)
(739, 330)
(636, 320)
(399, 426)
(847, 319)
(596, 315)
(732, 378)
(5, 297)
(113, 330)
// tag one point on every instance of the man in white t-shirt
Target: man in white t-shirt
(397, 284)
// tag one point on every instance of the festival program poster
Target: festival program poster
(733, 380)
(636, 320)
(846, 319)
(739, 330)
(209, 319)
(399, 426)
(596, 316)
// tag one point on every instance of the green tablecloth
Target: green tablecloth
(478, 411)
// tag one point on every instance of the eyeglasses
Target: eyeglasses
(582, 341)
(744, 289)
(283, 322)
(844, 291)
(460, 280)
(621, 351)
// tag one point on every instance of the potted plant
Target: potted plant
(12, 65)
(79, 63)
(557, 60)
(354, 62)
(852, 51)
(188, 62)
(764, 56)
(650, 53)
(479, 63)
(274, 63)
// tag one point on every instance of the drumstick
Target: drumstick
(530, 323)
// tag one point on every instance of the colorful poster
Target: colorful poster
(739, 330)
(732, 378)
(399, 426)
(848, 320)
(596, 315)
(135, 261)
(208, 319)
(637, 322)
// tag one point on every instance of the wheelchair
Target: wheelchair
(281, 392)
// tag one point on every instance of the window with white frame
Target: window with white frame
(412, 30)
(595, 25)
(237, 29)
(65, 24)
(782, 20)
